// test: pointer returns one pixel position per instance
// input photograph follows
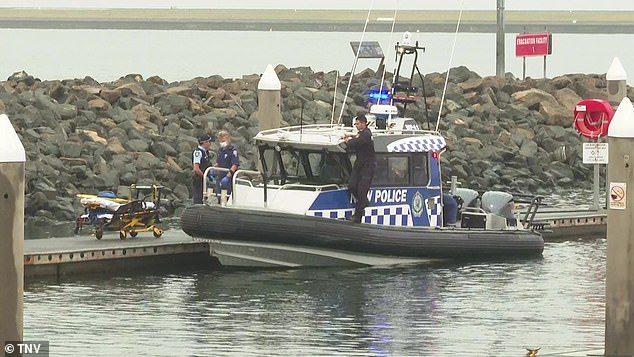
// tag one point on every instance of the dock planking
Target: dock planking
(570, 223)
(85, 254)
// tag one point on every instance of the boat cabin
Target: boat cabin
(305, 169)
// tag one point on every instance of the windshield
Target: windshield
(305, 167)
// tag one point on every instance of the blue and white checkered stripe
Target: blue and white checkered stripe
(389, 216)
(332, 213)
(385, 215)
(434, 210)
(417, 144)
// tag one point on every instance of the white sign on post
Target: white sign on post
(595, 153)
(618, 195)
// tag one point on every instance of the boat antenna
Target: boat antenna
(301, 121)
(453, 48)
(378, 100)
(334, 99)
(356, 59)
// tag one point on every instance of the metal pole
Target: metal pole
(453, 185)
(595, 204)
(619, 314)
(524, 68)
(12, 160)
(544, 67)
(500, 54)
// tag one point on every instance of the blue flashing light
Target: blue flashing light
(377, 95)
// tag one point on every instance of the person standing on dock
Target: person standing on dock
(363, 170)
(201, 161)
(229, 158)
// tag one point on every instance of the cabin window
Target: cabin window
(420, 172)
(401, 170)
(410, 124)
(306, 167)
(293, 165)
(391, 171)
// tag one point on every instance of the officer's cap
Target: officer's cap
(205, 138)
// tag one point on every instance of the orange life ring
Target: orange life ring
(592, 117)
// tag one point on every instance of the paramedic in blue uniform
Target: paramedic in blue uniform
(201, 161)
(363, 169)
(229, 158)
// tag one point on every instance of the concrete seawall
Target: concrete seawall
(594, 22)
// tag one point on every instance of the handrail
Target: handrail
(315, 188)
(532, 211)
(234, 179)
(307, 129)
(206, 174)
(247, 172)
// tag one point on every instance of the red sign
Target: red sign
(533, 44)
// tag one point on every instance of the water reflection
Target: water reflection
(495, 309)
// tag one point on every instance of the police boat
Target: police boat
(293, 211)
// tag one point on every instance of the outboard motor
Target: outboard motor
(500, 204)
(469, 197)
(471, 216)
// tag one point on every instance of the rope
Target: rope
(356, 59)
(453, 48)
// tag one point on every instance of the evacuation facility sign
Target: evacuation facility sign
(618, 195)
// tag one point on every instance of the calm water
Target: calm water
(178, 55)
(474, 309)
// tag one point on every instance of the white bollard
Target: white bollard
(617, 82)
(12, 161)
(619, 302)
(269, 111)
(269, 99)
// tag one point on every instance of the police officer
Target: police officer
(228, 158)
(363, 170)
(201, 161)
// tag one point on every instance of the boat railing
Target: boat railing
(245, 177)
(336, 130)
(236, 179)
(291, 186)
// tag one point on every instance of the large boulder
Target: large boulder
(137, 145)
(567, 98)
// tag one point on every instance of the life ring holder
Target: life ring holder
(592, 118)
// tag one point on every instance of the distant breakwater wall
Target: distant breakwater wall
(82, 136)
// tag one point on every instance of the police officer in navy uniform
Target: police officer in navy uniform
(201, 161)
(229, 158)
(363, 169)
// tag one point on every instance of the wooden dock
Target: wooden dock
(571, 223)
(57, 257)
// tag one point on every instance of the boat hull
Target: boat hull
(252, 237)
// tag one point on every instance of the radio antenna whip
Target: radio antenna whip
(378, 100)
(354, 65)
(334, 98)
(453, 48)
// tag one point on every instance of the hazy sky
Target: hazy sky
(332, 4)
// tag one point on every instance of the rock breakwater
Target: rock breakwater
(82, 136)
